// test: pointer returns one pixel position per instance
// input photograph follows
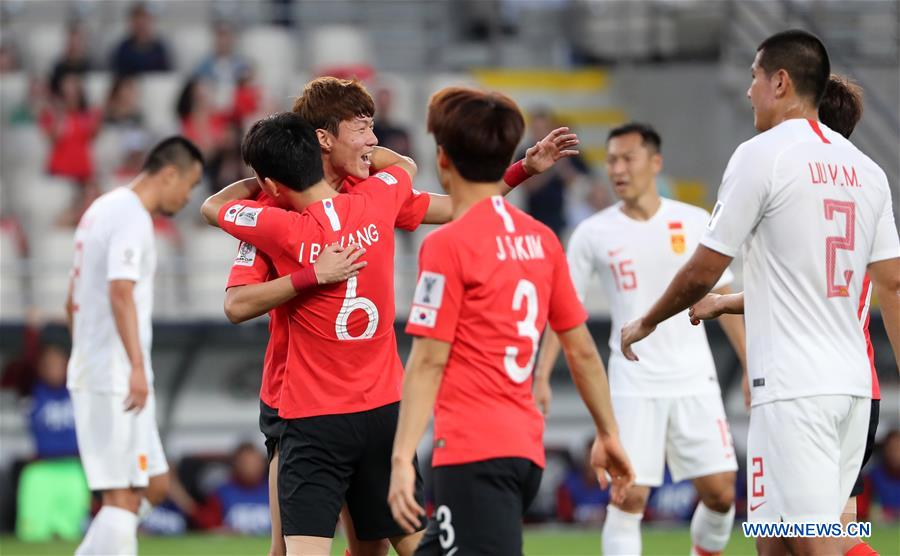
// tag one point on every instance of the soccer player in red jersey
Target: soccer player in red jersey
(342, 112)
(489, 282)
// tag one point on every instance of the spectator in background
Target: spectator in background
(53, 496)
(75, 57)
(241, 505)
(9, 57)
(123, 103)
(223, 68)
(70, 125)
(248, 105)
(141, 51)
(389, 134)
(885, 478)
(579, 498)
(546, 193)
(200, 121)
(226, 165)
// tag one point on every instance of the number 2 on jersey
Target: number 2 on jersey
(525, 291)
(833, 243)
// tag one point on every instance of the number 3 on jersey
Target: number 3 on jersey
(527, 293)
(354, 303)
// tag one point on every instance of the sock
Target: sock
(621, 532)
(710, 530)
(113, 531)
(144, 510)
(862, 549)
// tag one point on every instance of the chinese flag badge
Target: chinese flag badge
(676, 235)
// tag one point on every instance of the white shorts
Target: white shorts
(118, 449)
(803, 456)
(690, 433)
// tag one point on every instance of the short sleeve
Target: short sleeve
(439, 292)
(267, 228)
(413, 211)
(580, 260)
(250, 267)
(130, 240)
(886, 244)
(391, 188)
(743, 197)
(565, 311)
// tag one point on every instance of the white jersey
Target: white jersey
(812, 212)
(114, 241)
(635, 261)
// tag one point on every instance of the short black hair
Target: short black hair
(175, 150)
(803, 56)
(649, 136)
(284, 148)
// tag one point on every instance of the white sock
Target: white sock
(112, 533)
(711, 530)
(144, 510)
(621, 533)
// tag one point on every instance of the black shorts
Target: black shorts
(870, 445)
(271, 425)
(479, 507)
(329, 459)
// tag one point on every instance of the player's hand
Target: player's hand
(337, 264)
(608, 457)
(402, 497)
(633, 332)
(558, 144)
(706, 309)
(543, 395)
(137, 389)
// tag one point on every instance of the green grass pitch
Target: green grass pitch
(549, 542)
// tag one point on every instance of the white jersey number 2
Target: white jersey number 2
(354, 303)
(525, 291)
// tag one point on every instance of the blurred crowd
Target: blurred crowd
(228, 492)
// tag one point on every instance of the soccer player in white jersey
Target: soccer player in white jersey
(110, 375)
(668, 405)
(813, 214)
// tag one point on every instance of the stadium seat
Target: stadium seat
(189, 46)
(12, 275)
(41, 46)
(159, 96)
(23, 149)
(13, 91)
(272, 50)
(209, 253)
(168, 295)
(52, 254)
(336, 46)
(38, 199)
(96, 86)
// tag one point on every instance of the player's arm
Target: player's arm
(713, 305)
(558, 144)
(733, 326)
(581, 268)
(334, 264)
(695, 279)
(70, 307)
(241, 189)
(121, 300)
(424, 371)
(885, 276)
(382, 157)
(589, 376)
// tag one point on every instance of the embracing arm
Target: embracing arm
(242, 189)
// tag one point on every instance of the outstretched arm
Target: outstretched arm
(558, 144)
(885, 277)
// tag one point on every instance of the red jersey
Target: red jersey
(254, 267)
(348, 358)
(488, 284)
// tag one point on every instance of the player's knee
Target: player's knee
(157, 489)
(635, 501)
(720, 500)
(125, 498)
